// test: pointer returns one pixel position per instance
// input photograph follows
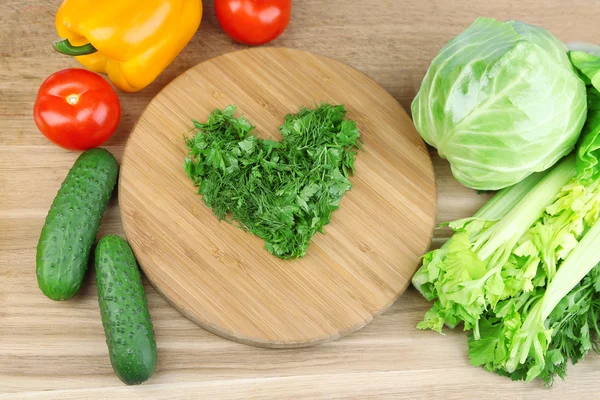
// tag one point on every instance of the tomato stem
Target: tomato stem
(65, 47)
(72, 99)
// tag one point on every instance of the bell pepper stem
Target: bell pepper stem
(65, 47)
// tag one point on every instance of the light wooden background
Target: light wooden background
(57, 350)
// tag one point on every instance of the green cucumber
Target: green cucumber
(124, 309)
(72, 224)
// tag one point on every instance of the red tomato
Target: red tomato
(253, 21)
(76, 109)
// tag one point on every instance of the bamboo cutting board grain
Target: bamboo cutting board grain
(220, 276)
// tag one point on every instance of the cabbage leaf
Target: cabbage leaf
(500, 101)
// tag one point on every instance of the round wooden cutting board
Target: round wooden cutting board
(222, 277)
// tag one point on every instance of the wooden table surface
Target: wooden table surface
(56, 349)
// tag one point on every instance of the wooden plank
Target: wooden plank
(57, 350)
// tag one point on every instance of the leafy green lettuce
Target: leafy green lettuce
(588, 151)
(588, 65)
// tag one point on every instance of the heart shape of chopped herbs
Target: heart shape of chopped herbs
(284, 192)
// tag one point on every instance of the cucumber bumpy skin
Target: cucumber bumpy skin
(124, 309)
(72, 224)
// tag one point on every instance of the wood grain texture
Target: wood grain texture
(222, 277)
(52, 350)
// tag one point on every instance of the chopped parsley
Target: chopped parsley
(284, 192)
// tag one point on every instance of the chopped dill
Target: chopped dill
(284, 192)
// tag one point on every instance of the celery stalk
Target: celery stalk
(497, 207)
(467, 276)
(577, 265)
(514, 224)
(535, 329)
(504, 201)
(533, 333)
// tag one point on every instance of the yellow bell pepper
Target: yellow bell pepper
(130, 40)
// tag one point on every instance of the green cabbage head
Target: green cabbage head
(500, 101)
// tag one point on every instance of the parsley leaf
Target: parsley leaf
(284, 192)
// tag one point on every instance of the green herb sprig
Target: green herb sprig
(284, 192)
